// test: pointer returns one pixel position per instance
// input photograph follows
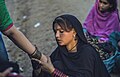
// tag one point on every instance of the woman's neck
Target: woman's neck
(72, 47)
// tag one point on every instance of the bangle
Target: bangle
(57, 73)
(36, 54)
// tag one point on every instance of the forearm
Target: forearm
(20, 40)
(7, 28)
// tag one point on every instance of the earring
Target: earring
(74, 36)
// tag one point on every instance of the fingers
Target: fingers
(36, 60)
(43, 58)
(7, 71)
(43, 62)
(48, 60)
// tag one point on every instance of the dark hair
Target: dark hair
(68, 22)
(114, 5)
(63, 23)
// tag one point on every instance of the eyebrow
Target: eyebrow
(103, 2)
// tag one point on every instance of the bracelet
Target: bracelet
(57, 73)
(36, 54)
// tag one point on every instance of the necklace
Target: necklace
(73, 47)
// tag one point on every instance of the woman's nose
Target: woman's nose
(57, 34)
(101, 4)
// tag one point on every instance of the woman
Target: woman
(102, 27)
(73, 57)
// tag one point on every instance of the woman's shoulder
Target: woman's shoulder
(89, 49)
(114, 15)
(55, 52)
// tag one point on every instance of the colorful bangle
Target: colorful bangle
(57, 73)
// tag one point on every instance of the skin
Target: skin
(7, 71)
(104, 5)
(21, 41)
(64, 39)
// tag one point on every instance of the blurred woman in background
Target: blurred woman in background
(102, 29)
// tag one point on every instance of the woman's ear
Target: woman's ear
(74, 32)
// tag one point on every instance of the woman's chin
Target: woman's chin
(61, 44)
(102, 11)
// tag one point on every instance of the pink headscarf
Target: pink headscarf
(102, 24)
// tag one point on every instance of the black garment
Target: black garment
(83, 63)
(6, 64)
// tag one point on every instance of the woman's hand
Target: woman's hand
(43, 58)
(47, 66)
(46, 63)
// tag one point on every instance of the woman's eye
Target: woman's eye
(61, 31)
(105, 3)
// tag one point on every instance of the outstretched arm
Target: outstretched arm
(23, 43)
(19, 39)
(8, 29)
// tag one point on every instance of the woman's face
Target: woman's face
(104, 5)
(63, 37)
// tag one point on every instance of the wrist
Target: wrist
(52, 70)
(36, 54)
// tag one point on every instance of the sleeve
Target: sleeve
(5, 20)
